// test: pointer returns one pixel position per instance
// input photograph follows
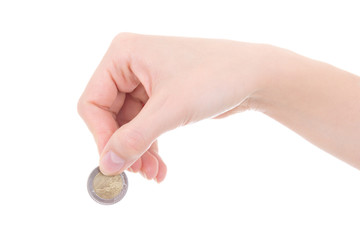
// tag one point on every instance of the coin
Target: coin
(107, 189)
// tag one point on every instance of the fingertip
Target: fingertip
(112, 164)
(136, 165)
(150, 165)
(161, 174)
(104, 171)
(162, 168)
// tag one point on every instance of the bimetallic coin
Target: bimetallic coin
(107, 189)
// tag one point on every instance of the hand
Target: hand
(147, 85)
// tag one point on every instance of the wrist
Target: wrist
(279, 72)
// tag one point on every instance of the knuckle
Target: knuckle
(80, 107)
(123, 39)
(123, 35)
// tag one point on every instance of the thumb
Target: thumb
(133, 139)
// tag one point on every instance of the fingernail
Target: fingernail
(111, 163)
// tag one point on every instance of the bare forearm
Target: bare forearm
(316, 100)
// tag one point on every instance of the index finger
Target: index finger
(104, 95)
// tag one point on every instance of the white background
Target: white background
(244, 177)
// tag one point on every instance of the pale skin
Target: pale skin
(147, 85)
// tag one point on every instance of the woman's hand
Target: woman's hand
(147, 85)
